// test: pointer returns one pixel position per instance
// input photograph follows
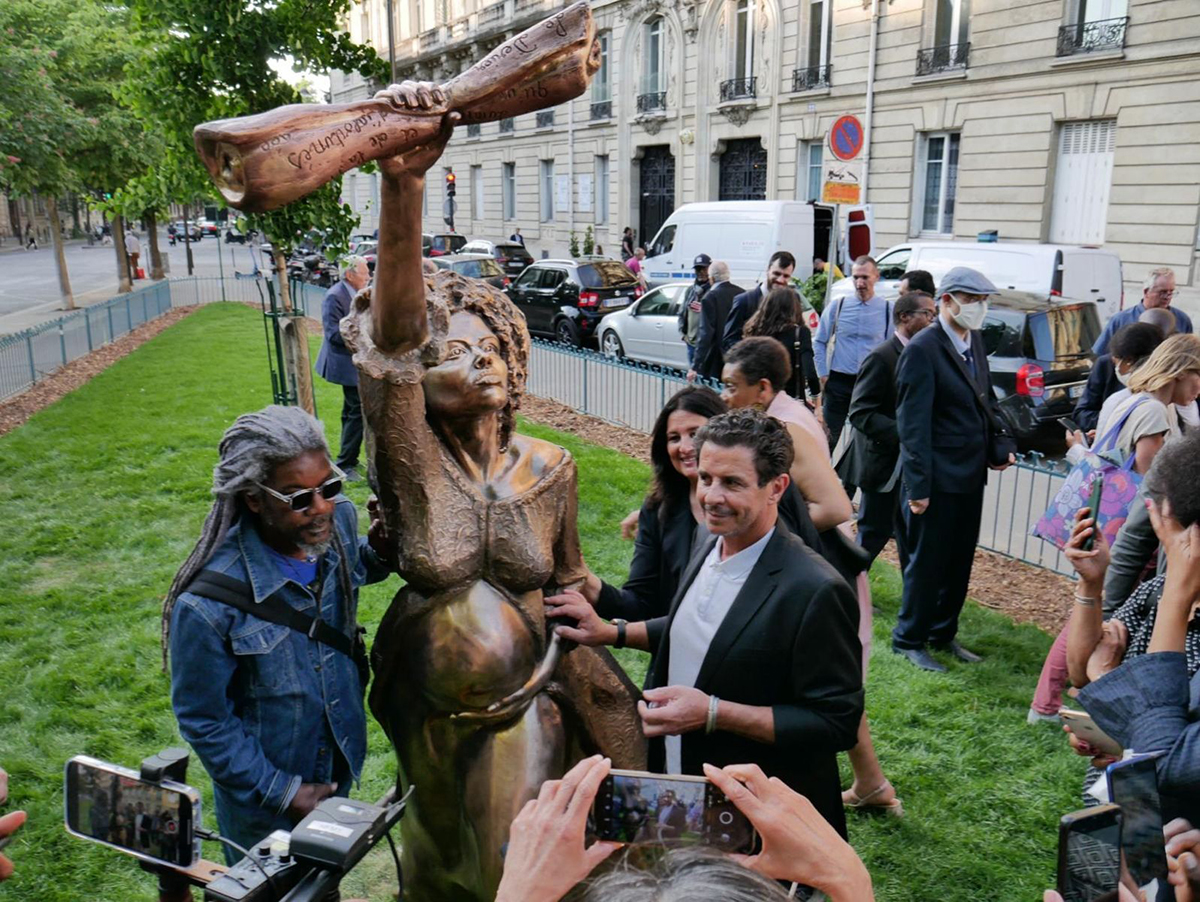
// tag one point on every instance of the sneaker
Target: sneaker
(1035, 717)
(352, 474)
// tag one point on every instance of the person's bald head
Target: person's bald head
(1161, 317)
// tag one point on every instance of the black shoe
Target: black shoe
(352, 474)
(921, 658)
(968, 657)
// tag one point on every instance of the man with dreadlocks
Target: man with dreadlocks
(275, 716)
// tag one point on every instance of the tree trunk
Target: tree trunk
(75, 211)
(64, 280)
(124, 276)
(295, 342)
(156, 264)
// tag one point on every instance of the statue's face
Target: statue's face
(473, 379)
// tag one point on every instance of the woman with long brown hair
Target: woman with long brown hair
(781, 316)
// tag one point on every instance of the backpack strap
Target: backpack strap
(237, 594)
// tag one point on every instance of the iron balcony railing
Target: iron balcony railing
(738, 88)
(810, 78)
(473, 130)
(506, 125)
(1088, 37)
(945, 58)
(652, 101)
(601, 109)
(545, 119)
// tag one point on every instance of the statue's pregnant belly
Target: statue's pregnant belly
(472, 647)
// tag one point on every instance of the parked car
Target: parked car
(210, 228)
(368, 250)
(648, 331)
(475, 266)
(192, 229)
(512, 257)
(446, 243)
(567, 299)
(1061, 270)
(1040, 354)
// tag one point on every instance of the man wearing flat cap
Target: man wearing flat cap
(950, 435)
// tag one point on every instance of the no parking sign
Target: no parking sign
(846, 138)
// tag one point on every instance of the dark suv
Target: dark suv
(1040, 353)
(568, 298)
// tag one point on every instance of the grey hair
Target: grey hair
(250, 450)
(350, 263)
(718, 271)
(1155, 274)
(685, 875)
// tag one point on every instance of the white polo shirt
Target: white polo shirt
(700, 615)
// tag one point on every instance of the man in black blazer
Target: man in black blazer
(779, 275)
(714, 310)
(872, 461)
(950, 434)
(758, 660)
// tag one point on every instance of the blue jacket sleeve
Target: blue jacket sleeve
(1101, 345)
(202, 669)
(333, 309)
(1087, 411)
(821, 341)
(915, 385)
(1144, 705)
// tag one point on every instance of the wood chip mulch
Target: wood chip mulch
(19, 408)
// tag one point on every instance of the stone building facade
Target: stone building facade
(1074, 121)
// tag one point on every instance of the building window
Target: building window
(652, 69)
(546, 190)
(1095, 25)
(938, 172)
(950, 23)
(1083, 181)
(808, 171)
(601, 190)
(744, 49)
(600, 83)
(508, 175)
(819, 33)
(477, 192)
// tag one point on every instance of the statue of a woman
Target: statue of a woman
(479, 697)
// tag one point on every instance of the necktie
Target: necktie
(970, 359)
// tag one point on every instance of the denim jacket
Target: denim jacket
(252, 698)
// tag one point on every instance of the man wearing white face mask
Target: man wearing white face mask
(950, 434)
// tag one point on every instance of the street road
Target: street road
(29, 292)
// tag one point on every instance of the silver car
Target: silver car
(648, 331)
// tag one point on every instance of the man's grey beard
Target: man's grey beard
(315, 550)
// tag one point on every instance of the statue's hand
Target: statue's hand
(418, 96)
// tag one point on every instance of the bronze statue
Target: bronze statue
(478, 695)
(271, 159)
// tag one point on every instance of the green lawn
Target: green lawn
(104, 493)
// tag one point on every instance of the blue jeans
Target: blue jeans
(691, 351)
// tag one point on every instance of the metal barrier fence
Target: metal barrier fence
(631, 394)
(28, 357)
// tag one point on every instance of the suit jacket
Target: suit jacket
(1102, 382)
(335, 363)
(745, 305)
(714, 311)
(949, 423)
(875, 444)
(790, 642)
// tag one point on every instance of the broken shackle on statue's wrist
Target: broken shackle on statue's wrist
(710, 725)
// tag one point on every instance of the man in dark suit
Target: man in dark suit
(779, 275)
(335, 363)
(758, 660)
(950, 434)
(714, 311)
(873, 460)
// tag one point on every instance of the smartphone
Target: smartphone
(114, 806)
(1094, 509)
(638, 807)
(1089, 854)
(1133, 784)
(1084, 727)
(1070, 425)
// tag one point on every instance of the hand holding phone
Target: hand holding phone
(1089, 854)
(1082, 725)
(1133, 784)
(1094, 510)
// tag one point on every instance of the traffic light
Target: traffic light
(450, 180)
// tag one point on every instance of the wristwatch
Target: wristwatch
(620, 625)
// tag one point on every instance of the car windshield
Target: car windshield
(605, 274)
(479, 269)
(1066, 331)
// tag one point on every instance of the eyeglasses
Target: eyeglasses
(1163, 293)
(303, 499)
(923, 311)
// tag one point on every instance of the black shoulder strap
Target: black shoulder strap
(273, 609)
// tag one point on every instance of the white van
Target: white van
(1062, 270)
(743, 233)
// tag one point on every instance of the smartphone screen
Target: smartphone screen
(1089, 854)
(1133, 784)
(636, 807)
(114, 806)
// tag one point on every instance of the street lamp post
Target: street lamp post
(391, 40)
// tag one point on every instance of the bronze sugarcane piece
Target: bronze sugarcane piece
(267, 160)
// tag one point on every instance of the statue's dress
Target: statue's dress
(469, 629)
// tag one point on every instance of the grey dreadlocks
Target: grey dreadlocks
(250, 449)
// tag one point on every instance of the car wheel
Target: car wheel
(566, 332)
(610, 344)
